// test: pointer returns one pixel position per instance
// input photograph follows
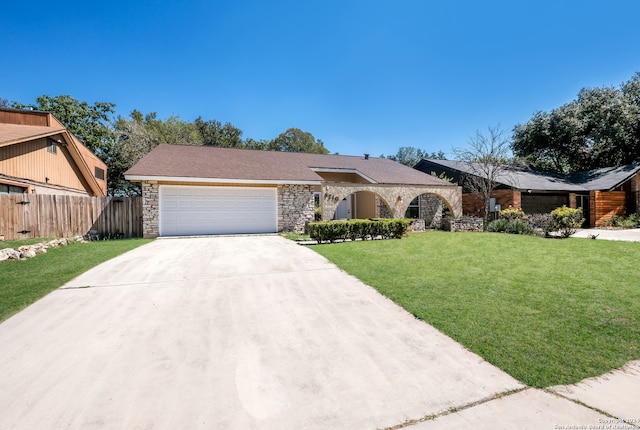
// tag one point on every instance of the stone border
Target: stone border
(30, 251)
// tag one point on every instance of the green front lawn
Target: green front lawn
(25, 281)
(546, 311)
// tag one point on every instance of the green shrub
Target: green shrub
(512, 213)
(617, 221)
(518, 226)
(499, 225)
(511, 226)
(330, 231)
(567, 220)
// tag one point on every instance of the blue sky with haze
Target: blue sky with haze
(362, 76)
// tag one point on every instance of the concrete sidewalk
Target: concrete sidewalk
(609, 401)
(627, 235)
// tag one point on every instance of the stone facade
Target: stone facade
(382, 210)
(465, 223)
(296, 203)
(396, 197)
(431, 210)
(295, 207)
(150, 210)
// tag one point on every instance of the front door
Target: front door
(582, 202)
(343, 211)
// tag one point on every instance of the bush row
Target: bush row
(330, 231)
(616, 221)
(563, 220)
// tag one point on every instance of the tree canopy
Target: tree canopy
(410, 156)
(600, 128)
(296, 140)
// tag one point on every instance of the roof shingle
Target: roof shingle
(184, 161)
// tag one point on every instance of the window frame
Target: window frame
(414, 206)
(52, 146)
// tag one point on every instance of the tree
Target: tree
(410, 156)
(214, 133)
(488, 159)
(256, 144)
(296, 140)
(136, 137)
(600, 128)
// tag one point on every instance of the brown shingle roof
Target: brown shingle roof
(203, 162)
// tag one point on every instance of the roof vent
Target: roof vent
(366, 156)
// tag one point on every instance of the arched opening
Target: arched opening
(430, 208)
(362, 205)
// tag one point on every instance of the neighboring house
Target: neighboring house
(193, 190)
(39, 155)
(601, 193)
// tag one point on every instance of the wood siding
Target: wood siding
(56, 216)
(606, 204)
(473, 205)
(40, 119)
(94, 162)
(32, 160)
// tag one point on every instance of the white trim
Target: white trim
(219, 180)
(343, 170)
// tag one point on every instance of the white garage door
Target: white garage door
(186, 210)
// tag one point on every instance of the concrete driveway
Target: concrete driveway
(228, 333)
(236, 333)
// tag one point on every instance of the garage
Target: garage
(201, 210)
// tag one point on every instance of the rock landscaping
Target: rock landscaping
(30, 251)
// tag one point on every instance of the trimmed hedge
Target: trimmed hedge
(330, 231)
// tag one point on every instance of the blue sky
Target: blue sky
(362, 76)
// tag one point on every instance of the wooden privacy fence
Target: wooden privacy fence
(53, 216)
(606, 204)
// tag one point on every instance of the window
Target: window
(316, 200)
(99, 173)
(52, 147)
(413, 211)
(11, 189)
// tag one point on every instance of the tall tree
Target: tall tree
(137, 136)
(488, 159)
(214, 133)
(600, 128)
(256, 144)
(410, 156)
(296, 140)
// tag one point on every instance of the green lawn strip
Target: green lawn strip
(15, 244)
(546, 311)
(22, 282)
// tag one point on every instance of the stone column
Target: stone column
(295, 207)
(150, 210)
